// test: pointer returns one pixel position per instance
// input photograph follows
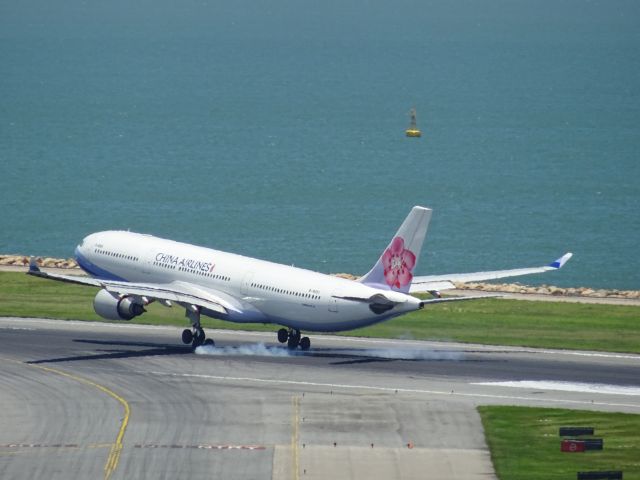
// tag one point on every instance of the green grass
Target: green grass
(525, 445)
(579, 326)
(492, 321)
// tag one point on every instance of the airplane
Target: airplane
(133, 270)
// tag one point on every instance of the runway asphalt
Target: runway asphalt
(96, 400)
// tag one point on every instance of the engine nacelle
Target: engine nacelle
(113, 307)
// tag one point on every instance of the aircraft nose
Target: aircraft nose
(80, 254)
(79, 251)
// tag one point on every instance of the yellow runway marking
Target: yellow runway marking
(116, 448)
(294, 437)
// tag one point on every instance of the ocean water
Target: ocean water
(276, 129)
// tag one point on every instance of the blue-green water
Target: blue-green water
(276, 129)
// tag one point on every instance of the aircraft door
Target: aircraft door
(246, 283)
(333, 303)
(144, 263)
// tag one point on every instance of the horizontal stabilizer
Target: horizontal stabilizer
(436, 286)
(380, 302)
(389, 296)
(455, 299)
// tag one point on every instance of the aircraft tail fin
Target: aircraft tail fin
(394, 268)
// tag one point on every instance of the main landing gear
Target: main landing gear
(196, 335)
(293, 340)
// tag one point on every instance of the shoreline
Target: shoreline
(19, 263)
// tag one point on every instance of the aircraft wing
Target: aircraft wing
(178, 292)
(444, 282)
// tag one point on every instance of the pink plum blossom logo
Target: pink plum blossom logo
(398, 263)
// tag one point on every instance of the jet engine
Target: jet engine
(114, 307)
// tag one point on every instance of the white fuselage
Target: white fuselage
(260, 291)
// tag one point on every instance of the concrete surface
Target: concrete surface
(250, 409)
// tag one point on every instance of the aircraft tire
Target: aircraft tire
(209, 342)
(293, 342)
(305, 343)
(187, 336)
(283, 335)
(198, 338)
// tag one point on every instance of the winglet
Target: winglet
(559, 263)
(33, 266)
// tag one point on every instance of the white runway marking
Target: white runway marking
(567, 387)
(270, 336)
(337, 386)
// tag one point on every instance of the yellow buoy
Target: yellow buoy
(413, 131)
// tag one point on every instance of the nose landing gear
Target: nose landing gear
(293, 339)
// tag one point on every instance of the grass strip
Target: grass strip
(492, 321)
(525, 445)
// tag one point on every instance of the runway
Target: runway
(96, 400)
